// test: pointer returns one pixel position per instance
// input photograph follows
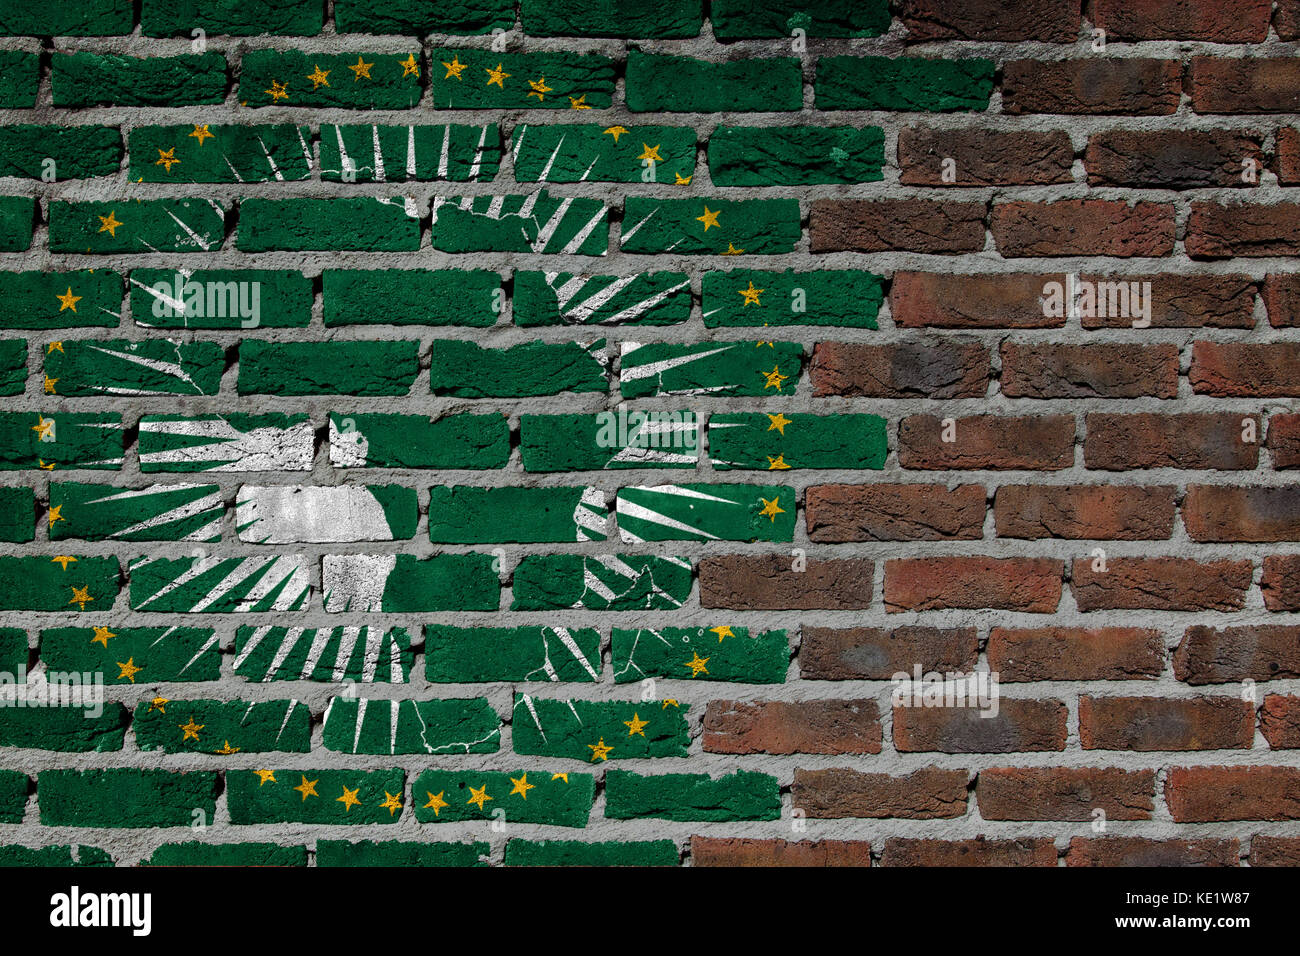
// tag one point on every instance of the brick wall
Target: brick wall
(476, 433)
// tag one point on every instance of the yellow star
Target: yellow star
(80, 596)
(44, 467)
(669, 702)
(201, 133)
(227, 750)
(522, 786)
(43, 427)
(722, 631)
(680, 180)
(308, 788)
(599, 751)
(732, 250)
(539, 88)
(779, 422)
(129, 670)
(560, 776)
(63, 560)
(709, 218)
(580, 103)
(49, 385)
(158, 703)
(636, 725)
(454, 70)
(652, 153)
(266, 775)
(56, 513)
(616, 132)
(278, 91)
(771, 509)
(759, 345)
(392, 802)
(167, 158)
(349, 799)
(55, 346)
(751, 294)
(479, 796)
(68, 301)
(777, 463)
(697, 665)
(409, 68)
(190, 729)
(102, 634)
(496, 76)
(359, 69)
(774, 378)
(436, 803)
(319, 77)
(109, 223)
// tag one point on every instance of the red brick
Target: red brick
(1027, 851)
(837, 513)
(1245, 84)
(1065, 793)
(930, 793)
(767, 582)
(1082, 227)
(1213, 655)
(1287, 22)
(1281, 582)
(1211, 440)
(1274, 850)
(1014, 584)
(1282, 300)
(997, 443)
(1232, 21)
(1216, 231)
(936, 369)
(1161, 584)
(1177, 302)
(1018, 726)
(1245, 369)
(1284, 440)
(1052, 21)
(1288, 156)
(1075, 653)
(737, 851)
(1144, 851)
(1097, 84)
(1162, 723)
(983, 157)
(1220, 513)
(1085, 512)
(1217, 794)
(1279, 721)
(882, 225)
(878, 653)
(943, 301)
(1089, 371)
(799, 727)
(1172, 159)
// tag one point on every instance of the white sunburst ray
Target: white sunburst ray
(287, 643)
(396, 672)
(377, 151)
(582, 311)
(645, 305)
(476, 164)
(444, 155)
(634, 373)
(288, 713)
(527, 701)
(208, 644)
(269, 581)
(305, 146)
(270, 161)
(174, 370)
(343, 656)
(194, 236)
(571, 645)
(410, 153)
(320, 637)
(255, 639)
(370, 661)
(242, 571)
(190, 509)
(197, 567)
(632, 510)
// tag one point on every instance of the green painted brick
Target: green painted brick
(466, 370)
(231, 441)
(58, 583)
(405, 583)
(676, 19)
(743, 19)
(452, 796)
(359, 654)
(48, 442)
(748, 297)
(722, 653)
(220, 298)
(609, 582)
(372, 853)
(383, 440)
(106, 79)
(168, 18)
(204, 153)
(573, 153)
(219, 585)
(582, 853)
(75, 729)
(223, 726)
(465, 514)
(742, 795)
(13, 366)
(464, 79)
(61, 300)
(609, 440)
(706, 512)
(470, 297)
(596, 731)
(327, 368)
(457, 726)
(710, 226)
(13, 796)
(778, 442)
(903, 83)
(365, 224)
(291, 514)
(14, 651)
(48, 856)
(537, 222)
(194, 853)
(20, 78)
(418, 17)
(120, 798)
(409, 153)
(87, 18)
(367, 80)
(171, 512)
(17, 218)
(353, 797)
(796, 155)
(130, 655)
(118, 368)
(77, 152)
(471, 655)
(563, 298)
(680, 84)
(710, 368)
(153, 225)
